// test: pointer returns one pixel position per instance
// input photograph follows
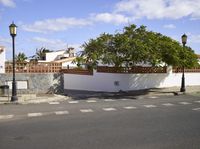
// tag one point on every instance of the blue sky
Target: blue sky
(56, 24)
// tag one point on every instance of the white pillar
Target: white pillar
(169, 69)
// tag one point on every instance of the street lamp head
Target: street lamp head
(184, 39)
(13, 29)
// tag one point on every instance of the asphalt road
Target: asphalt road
(170, 122)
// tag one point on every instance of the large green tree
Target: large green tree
(137, 45)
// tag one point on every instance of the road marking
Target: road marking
(125, 99)
(168, 104)
(73, 102)
(109, 100)
(6, 116)
(91, 101)
(153, 97)
(86, 110)
(61, 112)
(109, 109)
(128, 108)
(34, 114)
(54, 103)
(184, 103)
(150, 106)
(197, 101)
(196, 109)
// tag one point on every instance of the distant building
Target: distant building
(65, 57)
(2, 59)
(61, 54)
(198, 55)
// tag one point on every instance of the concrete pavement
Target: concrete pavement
(81, 95)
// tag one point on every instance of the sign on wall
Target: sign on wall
(20, 84)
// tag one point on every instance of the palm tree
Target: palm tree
(20, 57)
(41, 53)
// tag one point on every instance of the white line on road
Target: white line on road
(196, 109)
(34, 114)
(184, 103)
(109, 109)
(197, 101)
(91, 101)
(153, 97)
(54, 103)
(86, 110)
(73, 102)
(125, 99)
(6, 116)
(150, 106)
(61, 112)
(168, 104)
(128, 108)
(109, 100)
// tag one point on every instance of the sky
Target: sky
(58, 24)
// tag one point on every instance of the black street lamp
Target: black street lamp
(13, 33)
(184, 41)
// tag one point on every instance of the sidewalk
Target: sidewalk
(83, 95)
(35, 99)
(171, 91)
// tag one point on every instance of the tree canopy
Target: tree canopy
(136, 45)
(20, 57)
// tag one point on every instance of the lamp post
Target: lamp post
(13, 33)
(184, 41)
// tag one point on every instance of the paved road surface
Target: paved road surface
(170, 122)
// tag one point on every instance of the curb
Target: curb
(36, 100)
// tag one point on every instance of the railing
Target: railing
(78, 71)
(180, 70)
(33, 67)
(135, 69)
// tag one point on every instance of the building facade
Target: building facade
(2, 59)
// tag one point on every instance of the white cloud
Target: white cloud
(53, 44)
(62, 24)
(110, 18)
(49, 42)
(169, 26)
(195, 38)
(159, 9)
(8, 3)
(52, 25)
(4, 41)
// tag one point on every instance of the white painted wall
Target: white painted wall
(2, 59)
(106, 81)
(51, 56)
(70, 64)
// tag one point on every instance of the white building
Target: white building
(2, 59)
(61, 54)
(65, 57)
(67, 62)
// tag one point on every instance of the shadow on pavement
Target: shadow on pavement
(85, 95)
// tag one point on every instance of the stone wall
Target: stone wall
(35, 83)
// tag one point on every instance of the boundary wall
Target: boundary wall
(114, 82)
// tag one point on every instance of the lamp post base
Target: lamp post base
(182, 90)
(14, 98)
